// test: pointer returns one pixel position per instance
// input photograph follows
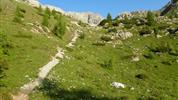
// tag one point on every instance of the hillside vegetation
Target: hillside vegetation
(138, 50)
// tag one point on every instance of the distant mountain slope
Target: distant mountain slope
(86, 17)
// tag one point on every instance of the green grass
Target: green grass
(29, 51)
(88, 70)
(83, 71)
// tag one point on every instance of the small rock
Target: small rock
(26, 76)
(158, 36)
(124, 35)
(135, 58)
(118, 85)
(132, 88)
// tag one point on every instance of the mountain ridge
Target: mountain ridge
(90, 18)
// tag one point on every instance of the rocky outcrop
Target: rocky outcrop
(170, 5)
(90, 18)
(141, 13)
(123, 35)
(34, 3)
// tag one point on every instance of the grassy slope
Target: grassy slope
(83, 77)
(29, 51)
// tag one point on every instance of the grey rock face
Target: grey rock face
(123, 35)
(88, 17)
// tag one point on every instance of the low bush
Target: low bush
(103, 22)
(141, 76)
(167, 63)
(150, 55)
(3, 52)
(60, 28)
(82, 36)
(151, 19)
(19, 15)
(0, 9)
(106, 38)
(145, 31)
(112, 30)
(116, 22)
(82, 24)
(163, 47)
(107, 64)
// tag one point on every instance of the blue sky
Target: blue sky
(104, 6)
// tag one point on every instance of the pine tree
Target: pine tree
(109, 17)
(45, 20)
(18, 15)
(40, 10)
(151, 18)
(60, 28)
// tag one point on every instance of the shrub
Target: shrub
(150, 55)
(145, 31)
(3, 67)
(112, 30)
(3, 52)
(141, 76)
(0, 9)
(167, 63)
(107, 64)
(103, 22)
(108, 21)
(48, 12)
(163, 47)
(45, 21)
(19, 14)
(40, 10)
(109, 17)
(60, 28)
(151, 18)
(106, 38)
(82, 24)
(128, 23)
(46, 17)
(82, 36)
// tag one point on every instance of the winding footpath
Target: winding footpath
(44, 71)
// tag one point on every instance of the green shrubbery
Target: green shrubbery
(60, 28)
(141, 76)
(106, 38)
(107, 21)
(82, 36)
(151, 18)
(3, 51)
(112, 30)
(19, 15)
(46, 17)
(40, 10)
(0, 9)
(163, 47)
(82, 24)
(107, 64)
(146, 30)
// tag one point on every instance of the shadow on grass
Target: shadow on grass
(51, 89)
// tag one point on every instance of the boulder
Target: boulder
(123, 35)
(117, 85)
(92, 19)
